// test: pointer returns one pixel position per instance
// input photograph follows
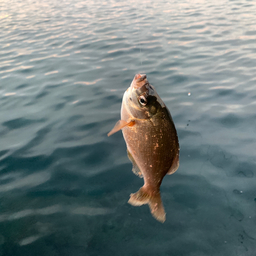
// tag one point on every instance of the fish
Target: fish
(152, 142)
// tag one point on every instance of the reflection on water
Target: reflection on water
(64, 67)
(31, 180)
(89, 211)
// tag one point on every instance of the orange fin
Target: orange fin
(119, 125)
(154, 201)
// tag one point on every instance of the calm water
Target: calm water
(64, 185)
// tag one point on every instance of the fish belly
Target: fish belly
(153, 149)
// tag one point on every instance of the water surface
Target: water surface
(64, 185)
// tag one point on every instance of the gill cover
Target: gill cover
(141, 99)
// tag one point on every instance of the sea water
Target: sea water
(64, 185)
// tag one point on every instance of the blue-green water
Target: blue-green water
(64, 185)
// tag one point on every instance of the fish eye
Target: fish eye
(142, 100)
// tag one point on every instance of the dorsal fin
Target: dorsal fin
(135, 167)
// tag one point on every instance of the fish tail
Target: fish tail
(153, 200)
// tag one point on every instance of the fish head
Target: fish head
(141, 99)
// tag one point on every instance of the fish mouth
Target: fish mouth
(139, 80)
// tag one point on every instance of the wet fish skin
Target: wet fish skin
(151, 139)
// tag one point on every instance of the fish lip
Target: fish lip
(138, 81)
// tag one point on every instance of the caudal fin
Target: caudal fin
(154, 201)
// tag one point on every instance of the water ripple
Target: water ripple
(64, 68)
(29, 181)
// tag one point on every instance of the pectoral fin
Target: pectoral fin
(119, 125)
(135, 168)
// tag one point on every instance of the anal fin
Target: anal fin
(135, 168)
(175, 165)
